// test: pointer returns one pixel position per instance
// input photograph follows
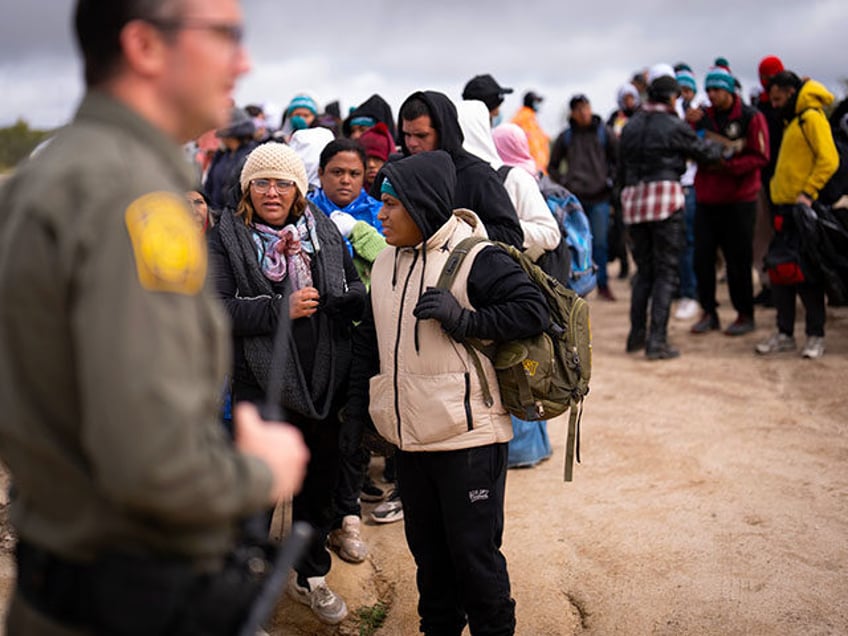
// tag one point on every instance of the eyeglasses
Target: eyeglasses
(232, 32)
(262, 186)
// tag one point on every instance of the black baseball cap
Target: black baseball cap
(486, 89)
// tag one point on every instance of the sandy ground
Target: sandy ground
(712, 499)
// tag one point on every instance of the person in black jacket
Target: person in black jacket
(429, 122)
(653, 151)
(275, 252)
(372, 111)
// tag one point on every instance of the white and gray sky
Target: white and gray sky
(349, 50)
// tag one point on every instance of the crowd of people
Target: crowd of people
(326, 237)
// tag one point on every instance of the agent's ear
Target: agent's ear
(145, 47)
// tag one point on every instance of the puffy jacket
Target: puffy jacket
(590, 154)
(655, 144)
(425, 393)
(808, 156)
(737, 180)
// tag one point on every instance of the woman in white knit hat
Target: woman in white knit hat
(275, 252)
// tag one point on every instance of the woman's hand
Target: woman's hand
(303, 303)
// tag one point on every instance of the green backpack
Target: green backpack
(543, 376)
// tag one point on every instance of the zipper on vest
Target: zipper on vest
(469, 421)
(397, 344)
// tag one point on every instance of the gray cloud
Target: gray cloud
(345, 52)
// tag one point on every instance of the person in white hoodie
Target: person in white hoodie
(530, 443)
(537, 223)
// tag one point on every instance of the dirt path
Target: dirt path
(712, 499)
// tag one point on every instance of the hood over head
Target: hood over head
(378, 142)
(812, 94)
(424, 184)
(474, 122)
(375, 108)
(443, 118)
(308, 144)
(514, 148)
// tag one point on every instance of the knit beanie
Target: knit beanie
(720, 77)
(687, 78)
(770, 66)
(377, 142)
(302, 101)
(274, 160)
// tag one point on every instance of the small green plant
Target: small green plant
(371, 618)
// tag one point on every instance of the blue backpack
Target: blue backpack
(577, 232)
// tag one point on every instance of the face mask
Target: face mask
(497, 120)
(298, 123)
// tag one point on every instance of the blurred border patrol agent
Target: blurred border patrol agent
(127, 495)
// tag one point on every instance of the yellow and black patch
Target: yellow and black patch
(170, 253)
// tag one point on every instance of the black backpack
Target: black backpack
(546, 375)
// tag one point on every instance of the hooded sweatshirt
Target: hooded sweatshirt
(376, 108)
(808, 156)
(537, 223)
(425, 394)
(478, 186)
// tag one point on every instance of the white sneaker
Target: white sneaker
(390, 510)
(813, 348)
(777, 343)
(328, 606)
(347, 541)
(687, 309)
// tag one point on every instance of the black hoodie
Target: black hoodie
(507, 304)
(478, 186)
(377, 109)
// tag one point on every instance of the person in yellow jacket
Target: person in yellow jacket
(807, 160)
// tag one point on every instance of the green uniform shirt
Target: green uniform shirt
(113, 351)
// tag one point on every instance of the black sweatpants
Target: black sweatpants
(657, 246)
(730, 227)
(453, 507)
(812, 297)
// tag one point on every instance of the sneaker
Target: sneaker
(347, 542)
(708, 322)
(813, 348)
(778, 343)
(606, 294)
(390, 510)
(371, 492)
(687, 309)
(740, 326)
(328, 606)
(663, 352)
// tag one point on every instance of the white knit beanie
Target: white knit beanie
(274, 160)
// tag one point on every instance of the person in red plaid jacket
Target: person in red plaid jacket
(654, 147)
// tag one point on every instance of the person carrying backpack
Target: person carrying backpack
(426, 397)
(805, 164)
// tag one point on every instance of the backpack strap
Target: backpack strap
(503, 172)
(446, 280)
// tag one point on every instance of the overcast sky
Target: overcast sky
(349, 50)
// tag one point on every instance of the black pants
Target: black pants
(657, 246)
(730, 227)
(812, 297)
(453, 506)
(352, 469)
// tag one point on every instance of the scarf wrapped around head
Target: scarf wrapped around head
(513, 147)
(320, 240)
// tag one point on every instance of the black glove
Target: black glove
(440, 304)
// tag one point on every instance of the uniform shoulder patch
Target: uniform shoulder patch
(170, 252)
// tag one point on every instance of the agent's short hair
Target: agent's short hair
(785, 79)
(99, 23)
